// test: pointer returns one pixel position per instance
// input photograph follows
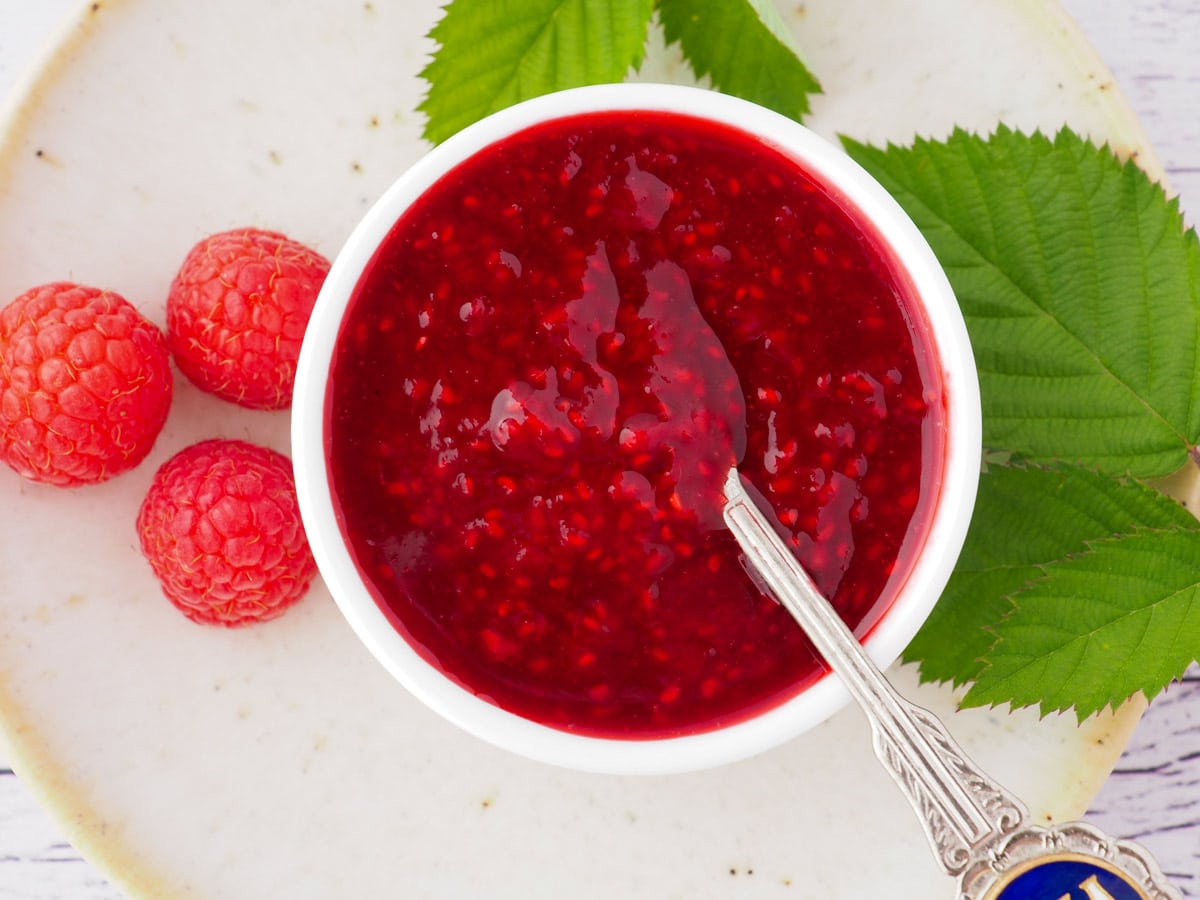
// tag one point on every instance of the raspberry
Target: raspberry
(85, 384)
(221, 529)
(236, 314)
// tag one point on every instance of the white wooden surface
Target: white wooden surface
(1153, 50)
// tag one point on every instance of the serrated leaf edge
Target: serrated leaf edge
(1013, 599)
(1127, 167)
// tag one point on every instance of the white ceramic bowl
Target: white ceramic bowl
(650, 756)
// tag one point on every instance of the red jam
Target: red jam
(546, 372)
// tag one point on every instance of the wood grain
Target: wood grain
(1153, 795)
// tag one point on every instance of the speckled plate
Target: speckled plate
(281, 760)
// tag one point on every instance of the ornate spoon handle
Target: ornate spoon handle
(977, 829)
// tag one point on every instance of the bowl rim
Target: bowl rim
(886, 638)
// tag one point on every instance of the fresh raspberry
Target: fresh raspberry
(236, 314)
(85, 384)
(221, 528)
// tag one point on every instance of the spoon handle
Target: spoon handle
(977, 829)
(958, 804)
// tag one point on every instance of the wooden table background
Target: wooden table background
(1153, 50)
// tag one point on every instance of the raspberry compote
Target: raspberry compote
(543, 377)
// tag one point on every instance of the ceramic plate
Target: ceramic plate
(281, 760)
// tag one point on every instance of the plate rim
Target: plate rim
(47, 780)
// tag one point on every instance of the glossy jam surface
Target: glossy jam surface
(545, 374)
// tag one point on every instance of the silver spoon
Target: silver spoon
(978, 830)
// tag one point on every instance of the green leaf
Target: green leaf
(744, 47)
(1121, 618)
(1026, 519)
(494, 53)
(1080, 287)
